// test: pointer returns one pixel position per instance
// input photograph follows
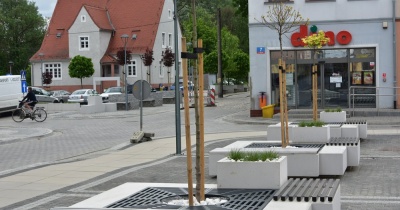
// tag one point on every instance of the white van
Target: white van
(10, 92)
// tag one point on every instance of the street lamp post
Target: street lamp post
(41, 66)
(11, 64)
(124, 38)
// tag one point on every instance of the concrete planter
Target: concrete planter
(332, 116)
(252, 175)
(59, 107)
(310, 134)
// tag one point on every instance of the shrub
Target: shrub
(311, 124)
(334, 110)
(238, 155)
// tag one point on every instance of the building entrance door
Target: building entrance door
(335, 84)
(332, 80)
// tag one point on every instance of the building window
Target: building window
(163, 39)
(131, 68)
(83, 18)
(170, 40)
(169, 14)
(54, 69)
(84, 43)
(161, 70)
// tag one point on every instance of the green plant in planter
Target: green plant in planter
(236, 155)
(252, 156)
(311, 123)
(334, 110)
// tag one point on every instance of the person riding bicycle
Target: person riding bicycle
(30, 100)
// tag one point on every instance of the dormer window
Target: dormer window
(83, 18)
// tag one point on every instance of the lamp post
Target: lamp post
(11, 64)
(124, 38)
(41, 66)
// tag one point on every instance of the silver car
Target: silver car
(43, 95)
(62, 95)
(81, 96)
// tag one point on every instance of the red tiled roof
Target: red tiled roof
(130, 17)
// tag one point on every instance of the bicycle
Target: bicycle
(39, 114)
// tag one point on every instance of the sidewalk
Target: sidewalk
(33, 188)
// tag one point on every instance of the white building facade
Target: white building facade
(356, 68)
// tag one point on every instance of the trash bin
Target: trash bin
(268, 111)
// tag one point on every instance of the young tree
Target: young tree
(168, 61)
(147, 59)
(47, 78)
(22, 29)
(314, 42)
(81, 67)
(283, 18)
(121, 56)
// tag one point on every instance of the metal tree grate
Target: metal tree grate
(269, 145)
(152, 197)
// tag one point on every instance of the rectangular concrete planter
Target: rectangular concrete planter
(252, 175)
(59, 107)
(332, 116)
(274, 131)
(310, 134)
(302, 162)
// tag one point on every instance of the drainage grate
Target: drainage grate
(151, 198)
(269, 145)
(343, 141)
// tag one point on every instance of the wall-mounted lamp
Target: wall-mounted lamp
(385, 25)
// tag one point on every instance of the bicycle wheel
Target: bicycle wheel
(18, 115)
(40, 115)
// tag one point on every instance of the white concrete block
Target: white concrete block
(350, 130)
(110, 107)
(335, 130)
(301, 161)
(310, 134)
(252, 174)
(333, 160)
(353, 155)
(362, 130)
(274, 131)
(332, 116)
(94, 100)
(285, 205)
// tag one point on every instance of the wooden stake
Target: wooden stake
(187, 125)
(285, 107)
(315, 92)
(282, 111)
(201, 113)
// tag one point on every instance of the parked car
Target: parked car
(111, 91)
(81, 95)
(43, 95)
(62, 95)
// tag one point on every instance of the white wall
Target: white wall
(353, 16)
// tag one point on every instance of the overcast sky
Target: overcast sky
(46, 7)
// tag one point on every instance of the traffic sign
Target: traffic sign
(137, 89)
(24, 86)
(23, 75)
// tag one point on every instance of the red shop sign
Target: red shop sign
(343, 37)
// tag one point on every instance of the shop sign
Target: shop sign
(343, 37)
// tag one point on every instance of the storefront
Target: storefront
(355, 68)
(338, 69)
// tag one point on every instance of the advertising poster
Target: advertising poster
(368, 78)
(356, 78)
